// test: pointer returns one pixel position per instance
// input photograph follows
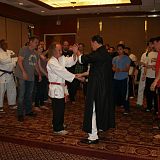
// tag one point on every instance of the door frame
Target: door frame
(57, 34)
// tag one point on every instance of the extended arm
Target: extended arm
(70, 61)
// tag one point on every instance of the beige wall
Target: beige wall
(2, 28)
(87, 28)
(15, 32)
(153, 27)
(130, 29)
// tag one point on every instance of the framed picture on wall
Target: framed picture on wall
(59, 37)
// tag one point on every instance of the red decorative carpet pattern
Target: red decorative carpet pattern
(132, 139)
(10, 151)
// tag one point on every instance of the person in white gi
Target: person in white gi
(57, 75)
(7, 83)
(142, 80)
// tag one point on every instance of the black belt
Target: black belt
(4, 72)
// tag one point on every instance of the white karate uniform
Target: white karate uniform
(142, 83)
(134, 59)
(57, 73)
(7, 82)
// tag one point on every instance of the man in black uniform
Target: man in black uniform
(99, 107)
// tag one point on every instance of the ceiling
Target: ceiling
(147, 6)
(80, 3)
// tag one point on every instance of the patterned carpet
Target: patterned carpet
(133, 138)
(10, 151)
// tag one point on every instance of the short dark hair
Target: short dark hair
(147, 43)
(2, 41)
(112, 47)
(65, 41)
(151, 40)
(98, 39)
(157, 39)
(81, 44)
(33, 38)
(128, 48)
(121, 45)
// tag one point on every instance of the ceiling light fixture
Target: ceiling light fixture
(117, 7)
(73, 3)
(154, 15)
(78, 9)
(20, 3)
(42, 11)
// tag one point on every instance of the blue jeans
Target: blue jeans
(25, 89)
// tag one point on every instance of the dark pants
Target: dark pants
(40, 90)
(121, 93)
(73, 89)
(85, 88)
(151, 96)
(58, 106)
(25, 89)
(158, 98)
(131, 86)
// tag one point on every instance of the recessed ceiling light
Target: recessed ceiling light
(153, 10)
(42, 11)
(75, 3)
(78, 9)
(20, 3)
(153, 16)
(117, 6)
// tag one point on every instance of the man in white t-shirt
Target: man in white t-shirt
(149, 73)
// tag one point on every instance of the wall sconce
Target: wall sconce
(100, 25)
(78, 25)
(145, 25)
(58, 22)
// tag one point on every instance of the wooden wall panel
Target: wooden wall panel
(88, 28)
(24, 34)
(130, 30)
(153, 27)
(2, 28)
(48, 24)
(14, 34)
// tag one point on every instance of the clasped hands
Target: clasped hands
(80, 77)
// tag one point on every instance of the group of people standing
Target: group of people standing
(99, 110)
(149, 64)
(59, 71)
